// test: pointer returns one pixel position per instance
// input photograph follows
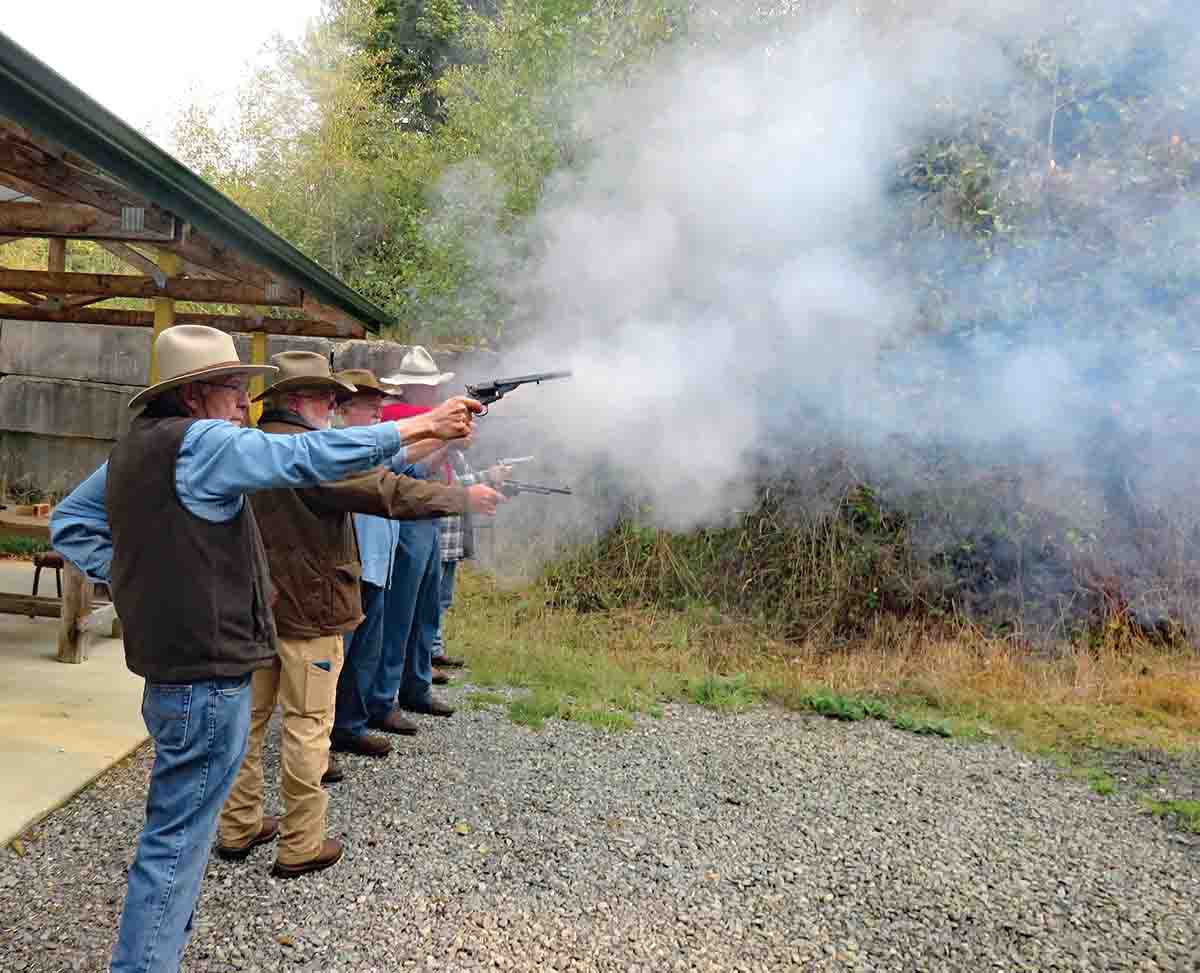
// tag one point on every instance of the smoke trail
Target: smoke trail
(760, 258)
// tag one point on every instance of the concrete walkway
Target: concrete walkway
(60, 725)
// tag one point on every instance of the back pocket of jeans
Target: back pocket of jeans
(166, 710)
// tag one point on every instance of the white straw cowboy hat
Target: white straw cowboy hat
(192, 353)
(304, 370)
(417, 367)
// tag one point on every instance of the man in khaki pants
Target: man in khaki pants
(313, 557)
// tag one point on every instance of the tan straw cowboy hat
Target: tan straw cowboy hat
(365, 382)
(192, 353)
(304, 370)
(417, 367)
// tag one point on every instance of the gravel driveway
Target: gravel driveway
(764, 841)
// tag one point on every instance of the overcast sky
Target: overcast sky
(143, 59)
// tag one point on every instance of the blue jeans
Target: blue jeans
(199, 732)
(445, 600)
(410, 616)
(360, 667)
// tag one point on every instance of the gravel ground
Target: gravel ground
(764, 841)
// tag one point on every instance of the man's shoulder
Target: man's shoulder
(281, 427)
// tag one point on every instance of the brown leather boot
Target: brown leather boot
(333, 772)
(440, 678)
(394, 722)
(434, 707)
(365, 745)
(268, 832)
(330, 854)
(448, 663)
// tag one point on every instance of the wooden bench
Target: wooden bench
(80, 619)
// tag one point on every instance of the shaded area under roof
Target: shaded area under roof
(40, 99)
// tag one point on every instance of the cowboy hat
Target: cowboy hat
(192, 353)
(365, 382)
(304, 370)
(417, 367)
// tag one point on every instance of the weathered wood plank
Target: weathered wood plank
(145, 319)
(74, 637)
(127, 285)
(77, 220)
(56, 257)
(126, 253)
(27, 297)
(39, 607)
(54, 179)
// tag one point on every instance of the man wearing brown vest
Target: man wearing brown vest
(164, 523)
(314, 564)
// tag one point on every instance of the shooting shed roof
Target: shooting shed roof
(75, 170)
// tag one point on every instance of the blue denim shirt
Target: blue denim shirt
(218, 464)
(378, 536)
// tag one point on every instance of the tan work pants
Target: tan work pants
(303, 681)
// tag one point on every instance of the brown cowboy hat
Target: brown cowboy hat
(365, 382)
(192, 353)
(304, 370)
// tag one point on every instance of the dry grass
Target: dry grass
(1125, 694)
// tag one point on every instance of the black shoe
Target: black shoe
(330, 854)
(268, 832)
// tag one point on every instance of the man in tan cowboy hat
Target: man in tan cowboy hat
(377, 539)
(165, 525)
(314, 565)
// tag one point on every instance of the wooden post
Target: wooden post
(56, 261)
(74, 635)
(164, 308)
(258, 356)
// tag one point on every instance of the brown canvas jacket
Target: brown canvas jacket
(311, 546)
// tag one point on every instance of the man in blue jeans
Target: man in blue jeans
(410, 613)
(170, 503)
(377, 541)
(456, 540)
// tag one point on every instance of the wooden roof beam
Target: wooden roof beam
(127, 285)
(75, 220)
(128, 255)
(42, 175)
(145, 319)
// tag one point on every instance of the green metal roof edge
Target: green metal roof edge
(37, 97)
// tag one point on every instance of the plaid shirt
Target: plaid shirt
(452, 530)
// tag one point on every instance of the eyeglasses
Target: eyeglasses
(236, 387)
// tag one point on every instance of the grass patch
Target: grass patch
(852, 709)
(1101, 781)
(938, 679)
(22, 546)
(729, 695)
(533, 711)
(1185, 814)
(610, 721)
(482, 700)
